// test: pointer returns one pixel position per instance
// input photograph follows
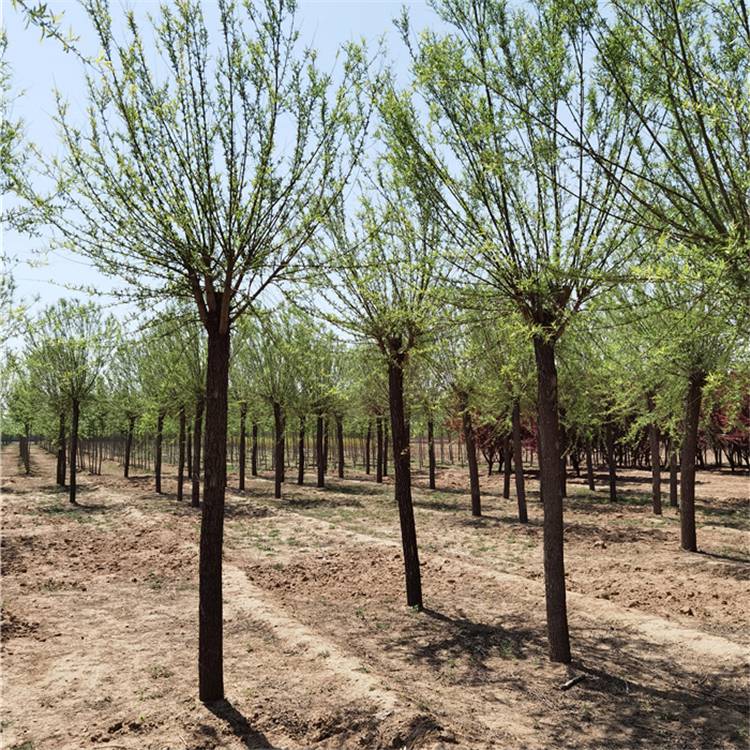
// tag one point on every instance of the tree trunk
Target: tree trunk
(210, 630)
(61, 451)
(609, 441)
(340, 443)
(319, 451)
(254, 451)
(128, 446)
(181, 460)
(385, 449)
(368, 440)
(549, 475)
(278, 426)
(379, 449)
(654, 439)
(590, 467)
(523, 515)
(243, 445)
(687, 469)
(301, 451)
(157, 457)
(506, 468)
(471, 455)
(74, 450)
(673, 481)
(431, 451)
(197, 448)
(402, 483)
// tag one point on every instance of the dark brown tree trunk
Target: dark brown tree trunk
(506, 467)
(243, 444)
(431, 451)
(254, 451)
(471, 454)
(278, 458)
(402, 483)
(673, 473)
(74, 450)
(181, 460)
(654, 439)
(549, 475)
(379, 449)
(128, 446)
(197, 448)
(210, 630)
(319, 451)
(189, 453)
(368, 441)
(157, 457)
(609, 447)
(61, 451)
(523, 515)
(385, 449)
(26, 449)
(340, 444)
(589, 467)
(325, 444)
(687, 470)
(301, 451)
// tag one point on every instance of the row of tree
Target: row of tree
(549, 166)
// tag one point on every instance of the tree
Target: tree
(69, 345)
(537, 216)
(206, 192)
(386, 262)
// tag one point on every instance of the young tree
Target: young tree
(203, 186)
(71, 343)
(384, 289)
(537, 215)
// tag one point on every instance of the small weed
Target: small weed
(154, 582)
(323, 654)
(159, 672)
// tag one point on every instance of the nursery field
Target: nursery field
(99, 626)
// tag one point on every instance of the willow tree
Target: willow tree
(204, 166)
(680, 71)
(70, 345)
(385, 264)
(538, 216)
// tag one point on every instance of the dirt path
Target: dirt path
(99, 615)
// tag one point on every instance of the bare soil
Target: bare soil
(99, 615)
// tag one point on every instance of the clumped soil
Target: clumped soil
(99, 615)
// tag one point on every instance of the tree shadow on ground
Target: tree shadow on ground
(240, 726)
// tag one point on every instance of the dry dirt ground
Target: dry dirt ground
(99, 611)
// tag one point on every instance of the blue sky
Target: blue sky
(38, 67)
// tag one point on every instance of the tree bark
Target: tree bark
(301, 451)
(688, 540)
(506, 467)
(549, 474)
(157, 457)
(210, 630)
(402, 483)
(61, 451)
(654, 438)
(471, 454)
(431, 451)
(385, 449)
(243, 445)
(278, 425)
(379, 449)
(340, 444)
(74, 450)
(181, 460)
(590, 467)
(319, 451)
(609, 441)
(128, 446)
(197, 448)
(673, 481)
(254, 451)
(368, 440)
(523, 515)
